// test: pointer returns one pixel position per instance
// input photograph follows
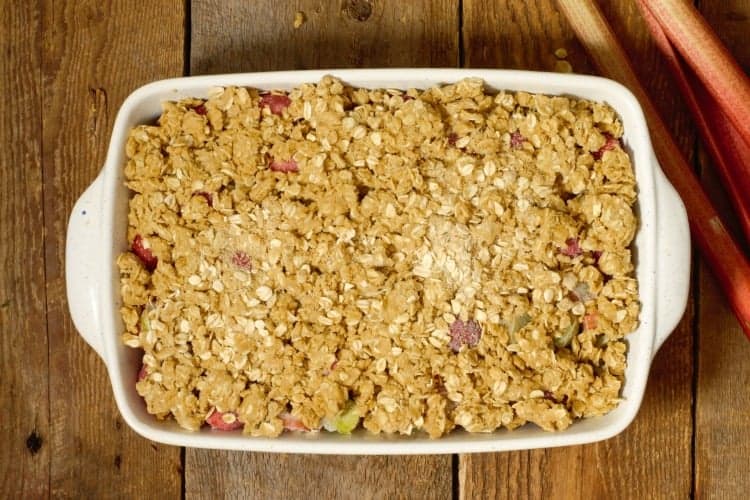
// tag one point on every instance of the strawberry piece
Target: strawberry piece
(464, 333)
(572, 248)
(275, 102)
(516, 139)
(609, 145)
(292, 423)
(283, 166)
(452, 138)
(217, 422)
(144, 254)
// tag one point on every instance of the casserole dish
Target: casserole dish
(97, 234)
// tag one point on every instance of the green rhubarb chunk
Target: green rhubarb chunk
(564, 338)
(145, 323)
(517, 324)
(347, 419)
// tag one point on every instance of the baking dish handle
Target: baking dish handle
(80, 275)
(672, 258)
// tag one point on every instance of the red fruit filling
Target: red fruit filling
(143, 253)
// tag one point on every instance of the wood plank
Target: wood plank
(95, 54)
(264, 476)
(515, 34)
(24, 394)
(238, 36)
(235, 36)
(651, 459)
(722, 444)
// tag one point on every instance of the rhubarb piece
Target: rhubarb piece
(516, 140)
(582, 292)
(242, 260)
(277, 103)
(292, 423)
(147, 257)
(725, 144)
(703, 51)
(564, 338)
(517, 324)
(345, 421)
(283, 166)
(590, 321)
(610, 144)
(572, 248)
(142, 373)
(464, 333)
(226, 421)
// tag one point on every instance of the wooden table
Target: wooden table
(65, 69)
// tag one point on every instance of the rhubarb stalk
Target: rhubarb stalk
(709, 59)
(725, 144)
(717, 246)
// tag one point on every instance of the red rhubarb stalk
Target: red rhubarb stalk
(701, 48)
(728, 149)
(717, 246)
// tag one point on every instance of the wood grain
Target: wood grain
(265, 476)
(66, 68)
(236, 36)
(24, 396)
(516, 34)
(652, 458)
(722, 443)
(95, 53)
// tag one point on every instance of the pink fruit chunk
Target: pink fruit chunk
(217, 422)
(516, 139)
(572, 248)
(283, 166)
(590, 321)
(142, 373)
(242, 260)
(200, 109)
(292, 423)
(609, 145)
(464, 333)
(275, 102)
(143, 253)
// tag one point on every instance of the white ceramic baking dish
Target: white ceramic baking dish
(97, 234)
